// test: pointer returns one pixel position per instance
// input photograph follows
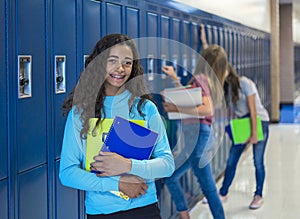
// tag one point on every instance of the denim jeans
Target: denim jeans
(258, 157)
(204, 175)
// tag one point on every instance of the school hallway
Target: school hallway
(281, 188)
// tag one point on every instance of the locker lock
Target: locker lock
(59, 79)
(23, 81)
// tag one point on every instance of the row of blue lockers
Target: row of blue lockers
(43, 45)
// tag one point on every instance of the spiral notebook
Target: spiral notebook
(129, 139)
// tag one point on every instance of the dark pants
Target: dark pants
(147, 212)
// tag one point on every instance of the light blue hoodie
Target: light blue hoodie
(99, 199)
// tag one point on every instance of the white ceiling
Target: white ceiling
(253, 13)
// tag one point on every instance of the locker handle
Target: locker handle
(150, 68)
(24, 76)
(60, 73)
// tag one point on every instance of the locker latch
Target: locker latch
(24, 76)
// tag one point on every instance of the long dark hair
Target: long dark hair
(232, 85)
(89, 94)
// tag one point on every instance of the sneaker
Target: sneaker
(223, 199)
(257, 202)
(204, 200)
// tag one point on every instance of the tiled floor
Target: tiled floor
(282, 184)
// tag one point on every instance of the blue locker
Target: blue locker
(195, 41)
(186, 51)
(91, 29)
(113, 18)
(152, 26)
(63, 62)
(3, 198)
(32, 194)
(165, 44)
(215, 35)
(132, 25)
(66, 199)
(221, 37)
(226, 41)
(209, 34)
(31, 111)
(175, 49)
(3, 93)
(165, 33)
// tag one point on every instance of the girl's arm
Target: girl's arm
(169, 70)
(252, 108)
(203, 36)
(73, 155)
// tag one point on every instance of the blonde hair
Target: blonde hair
(213, 63)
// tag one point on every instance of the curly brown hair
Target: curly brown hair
(89, 94)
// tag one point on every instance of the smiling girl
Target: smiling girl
(112, 84)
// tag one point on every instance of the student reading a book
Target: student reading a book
(112, 84)
(243, 100)
(198, 131)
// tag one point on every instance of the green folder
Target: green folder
(241, 130)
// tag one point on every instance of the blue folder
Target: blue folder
(129, 139)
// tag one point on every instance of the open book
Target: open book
(186, 96)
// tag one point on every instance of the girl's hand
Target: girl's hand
(169, 70)
(170, 107)
(252, 139)
(133, 186)
(110, 164)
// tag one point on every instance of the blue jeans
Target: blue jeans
(258, 157)
(204, 175)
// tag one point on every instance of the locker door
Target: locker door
(91, 13)
(186, 52)
(63, 61)
(165, 48)
(3, 100)
(221, 37)
(67, 201)
(195, 41)
(32, 194)
(3, 199)
(132, 25)
(31, 105)
(165, 33)
(113, 18)
(215, 35)
(209, 34)
(175, 50)
(152, 26)
(230, 47)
